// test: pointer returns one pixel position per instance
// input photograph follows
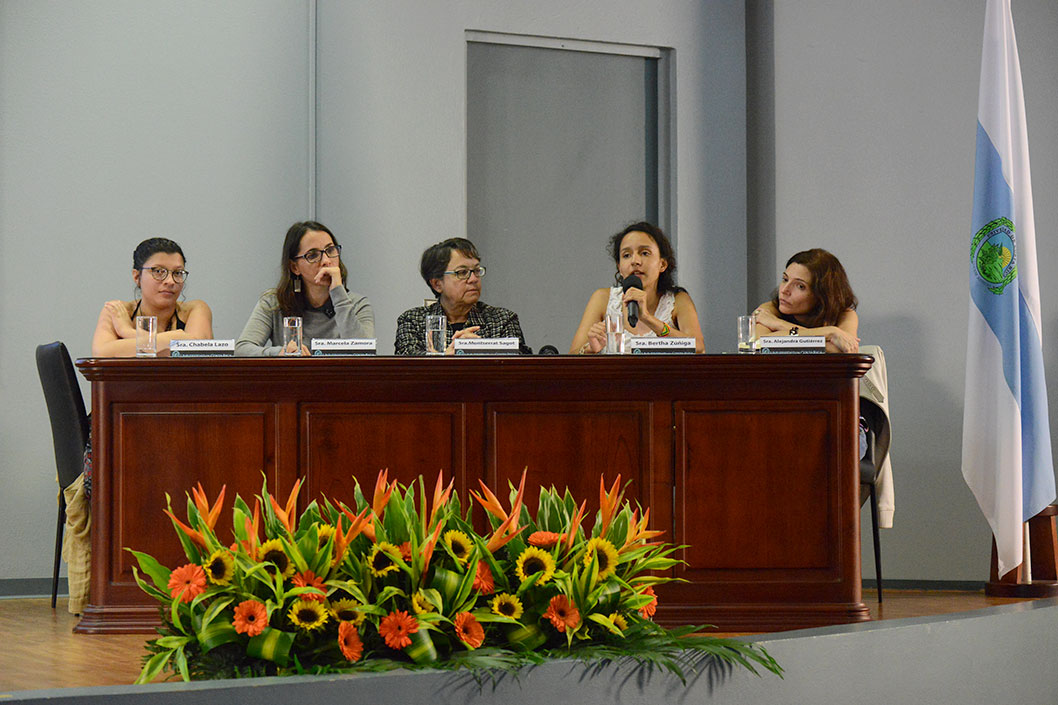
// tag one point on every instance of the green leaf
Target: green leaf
(154, 666)
(215, 634)
(422, 649)
(157, 572)
(215, 609)
(271, 645)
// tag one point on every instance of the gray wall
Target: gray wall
(875, 109)
(120, 120)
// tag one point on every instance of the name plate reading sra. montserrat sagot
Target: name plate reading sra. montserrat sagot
(202, 348)
(660, 345)
(343, 346)
(485, 346)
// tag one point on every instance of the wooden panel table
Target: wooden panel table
(748, 460)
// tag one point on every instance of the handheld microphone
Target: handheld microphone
(632, 282)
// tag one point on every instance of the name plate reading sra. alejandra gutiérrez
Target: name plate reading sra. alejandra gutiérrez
(638, 346)
(343, 346)
(202, 348)
(485, 346)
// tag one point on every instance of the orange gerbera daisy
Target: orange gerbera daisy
(647, 611)
(395, 628)
(310, 579)
(544, 539)
(349, 641)
(483, 581)
(251, 618)
(469, 630)
(187, 582)
(562, 613)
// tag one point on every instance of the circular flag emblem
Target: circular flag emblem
(993, 254)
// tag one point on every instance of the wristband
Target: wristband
(664, 331)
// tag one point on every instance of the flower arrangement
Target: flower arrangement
(398, 581)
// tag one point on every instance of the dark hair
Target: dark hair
(292, 303)
(152, 246)
(436, 257)
(830, 286)
(667, 279)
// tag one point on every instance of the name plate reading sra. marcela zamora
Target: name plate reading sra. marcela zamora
(343, 346)
(202, 348)
(639, 346)
(485, 346)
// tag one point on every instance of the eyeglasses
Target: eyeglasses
(314, 255)
(462, 274)
(160, 274)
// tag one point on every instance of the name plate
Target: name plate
(485, 346)
(343, 346)
(202, 348)
(661, 345)
(792, 344)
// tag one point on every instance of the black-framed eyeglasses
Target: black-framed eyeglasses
(160, 273)
(314, 255)
(463, 273)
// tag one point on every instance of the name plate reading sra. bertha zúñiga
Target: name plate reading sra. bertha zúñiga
(343, 346)
(485, 346)
(792, 344)
(661, 345)
(202, 348)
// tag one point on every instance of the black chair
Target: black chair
(870, 468)
(69, 430)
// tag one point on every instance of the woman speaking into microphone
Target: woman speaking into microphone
(645, 298)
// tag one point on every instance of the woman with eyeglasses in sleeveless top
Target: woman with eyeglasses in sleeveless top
(311, 285)
(159, 273)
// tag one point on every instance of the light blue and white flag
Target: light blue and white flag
(1006, 447)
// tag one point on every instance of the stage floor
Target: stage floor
(39, 649)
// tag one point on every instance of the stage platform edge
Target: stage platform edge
(998, 654)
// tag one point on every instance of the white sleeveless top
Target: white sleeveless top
(666, 305)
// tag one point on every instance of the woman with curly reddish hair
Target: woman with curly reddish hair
(813, 298)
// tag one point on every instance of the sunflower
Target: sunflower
(507, 605)
(459, 544)
(605, 553)
(396, 627)
(535, 561)
(324, 532)
(468, 630)
(220, 568)
(346, 611)
(272, 552)
(187, 582)
(483, 580)
(349, 641)
(562, 613)
(619, 621)
(251, 618)
(307, 615)
(420, 604)
(380, 559)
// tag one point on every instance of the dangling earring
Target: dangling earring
(297, 284)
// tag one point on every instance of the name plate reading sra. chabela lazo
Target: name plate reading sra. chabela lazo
(792, 344)
(485, 346)
(202, 348)
(343, 346)
(639, 346)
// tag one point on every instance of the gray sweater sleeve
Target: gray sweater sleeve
(353, 316)
(259, 330)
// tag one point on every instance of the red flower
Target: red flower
(349, 641)
(395, 628)
(469, 630)
(647, 611)
(483, 581)
(544, 539)
(562, 613)
(310, 579)
(251, 618)
(187, 582)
